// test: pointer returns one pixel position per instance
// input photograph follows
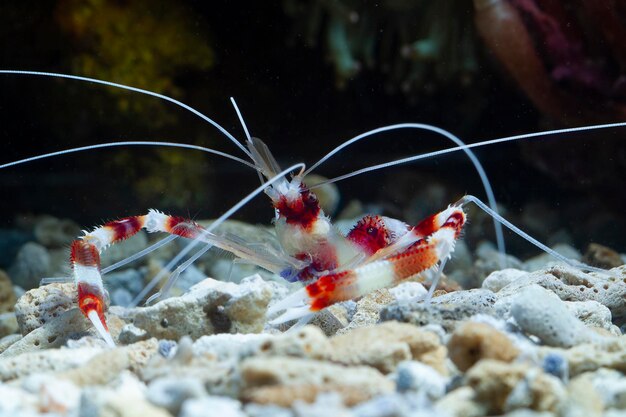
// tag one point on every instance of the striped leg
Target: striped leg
(346, 285)
(85, 256)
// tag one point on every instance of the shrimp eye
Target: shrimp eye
(371, 231)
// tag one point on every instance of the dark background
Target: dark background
(291, 97)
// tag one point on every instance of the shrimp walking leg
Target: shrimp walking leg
(424, 254)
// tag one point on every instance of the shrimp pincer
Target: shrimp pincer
(423, 247)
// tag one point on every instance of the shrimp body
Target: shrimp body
(421, 248)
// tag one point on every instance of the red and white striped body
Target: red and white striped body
(424, 251)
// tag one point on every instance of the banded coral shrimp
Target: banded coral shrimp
(378, 252)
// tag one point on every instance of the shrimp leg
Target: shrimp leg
(345, 285)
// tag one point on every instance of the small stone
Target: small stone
(131, 334)
(8, 324)
(583, 399)
(408, 291)
(30, 265)
(570, 284)
(230, 347)
(39, 305)
(332, 319)
(368, 309)
(501, 386)
(555, 364)
(461, 403)
(53, 233)
(602, 257)
(128, 281)
(472, 342)
(283, 380)
(7, 295)
(55, 396)
(500, 279)
(385, 345)
(307, 342)
(545, 260)
(171, 393)
(7, 341)
(217, 406)
(417, 377)
(610, 386)
(541, 313)
(17, 402)
(167, 348)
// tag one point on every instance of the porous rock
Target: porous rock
(573, 285)
(473, 341)
(332, 319)
(387, 344)
(225, 346)
(498, 385)
(539, 312)
(447, 310)
(368, 310)
(55, 333)
(209, 307)
(7, 295)
(593, 314)
(283, 380)
(40, 305)
(30, 265)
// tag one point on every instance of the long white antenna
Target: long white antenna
(137, 90)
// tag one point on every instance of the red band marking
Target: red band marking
(182, 227)
(370, 234)
(304, 211)
(456, 222)
(90, 299)
(426, 227)
(84, 253)
(328, 289)
(126, 227)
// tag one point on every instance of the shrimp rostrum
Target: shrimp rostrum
(377, 252)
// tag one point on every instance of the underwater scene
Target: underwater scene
(312, 208)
